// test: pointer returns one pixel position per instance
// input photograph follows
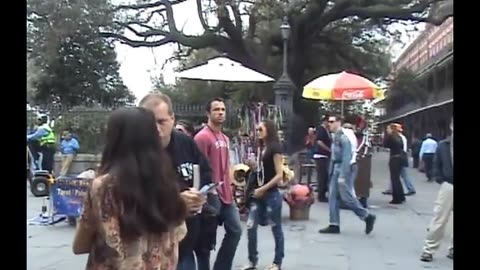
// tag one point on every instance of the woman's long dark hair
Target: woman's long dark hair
(141, 175)
(272, 134)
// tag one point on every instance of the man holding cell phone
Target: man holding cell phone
(185, 156)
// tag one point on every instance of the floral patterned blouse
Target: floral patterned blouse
(109, 252)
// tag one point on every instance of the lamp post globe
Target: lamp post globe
(285, 29)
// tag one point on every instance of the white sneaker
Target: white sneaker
(249, 266)
(273, 267)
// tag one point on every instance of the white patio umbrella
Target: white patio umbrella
(223, 69)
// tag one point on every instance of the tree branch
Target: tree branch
(226, 23)
(404, 10)
(252, 24)
(398, 13)
(147, 5)
(236, 16)
(205, 26)
(169, 35)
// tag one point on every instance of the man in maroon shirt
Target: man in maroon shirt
(215, 146)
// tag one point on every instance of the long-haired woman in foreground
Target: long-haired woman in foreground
(133, 215)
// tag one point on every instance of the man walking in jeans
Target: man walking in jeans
(341, 181)
(215, 146)
(443, 171)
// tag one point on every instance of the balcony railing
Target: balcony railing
(443, 53)
(434, 98)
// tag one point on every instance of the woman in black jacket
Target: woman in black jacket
(394, 142)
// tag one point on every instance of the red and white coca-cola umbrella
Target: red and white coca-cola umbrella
(342, 86)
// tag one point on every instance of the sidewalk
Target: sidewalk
(395, 243)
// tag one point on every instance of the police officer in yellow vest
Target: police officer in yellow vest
(46, 138)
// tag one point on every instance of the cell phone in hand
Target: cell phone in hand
(209, 187)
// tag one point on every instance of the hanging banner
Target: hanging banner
(68, 196)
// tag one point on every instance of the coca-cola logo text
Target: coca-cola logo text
(353, 94)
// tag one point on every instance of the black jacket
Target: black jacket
(442, 162)
(184, 154)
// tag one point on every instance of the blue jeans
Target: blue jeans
(270, 208)
(347, 194)
(406, 179)
(233, 231)
(187, 262)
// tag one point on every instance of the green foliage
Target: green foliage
(77, 66)
(404, 88)
(33, 73)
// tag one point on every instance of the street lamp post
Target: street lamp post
(284, 88)
(285, 31)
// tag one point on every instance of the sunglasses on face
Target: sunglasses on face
(259, 129)
(331, 121)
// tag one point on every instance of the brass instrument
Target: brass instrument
(288, 174)
(240, 173)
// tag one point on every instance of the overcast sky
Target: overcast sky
(138, 65)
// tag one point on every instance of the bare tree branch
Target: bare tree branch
(206, 27)
(252, 24)
(236, 15)
(319, 16)
(394, 12)
(148, 5)
(163, 36)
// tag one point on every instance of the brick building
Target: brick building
(430, 56)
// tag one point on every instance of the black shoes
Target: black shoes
(334, 229)
(450, 254)
(396, 202)
(369, 223)
(331, 229)
(388, 192)
(426, 257)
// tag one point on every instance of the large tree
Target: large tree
(33, 73)
(324, 34)
(76, 65)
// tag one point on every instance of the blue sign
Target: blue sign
(68, 195)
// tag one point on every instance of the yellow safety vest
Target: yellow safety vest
(49, 138)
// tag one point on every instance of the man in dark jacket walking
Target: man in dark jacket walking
(443, 171)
